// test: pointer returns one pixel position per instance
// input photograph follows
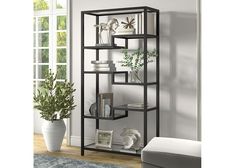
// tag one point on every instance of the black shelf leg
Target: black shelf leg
(97, 75)
(82, 84)
(126, 81)
(145, 79)
(157, 77)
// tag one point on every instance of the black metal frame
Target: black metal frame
(145, 84)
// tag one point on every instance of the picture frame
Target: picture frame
(105, 104)
(103, 138)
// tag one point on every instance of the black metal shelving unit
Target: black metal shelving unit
(114, 116)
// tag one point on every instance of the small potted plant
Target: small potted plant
(55, 102)
(135, 61)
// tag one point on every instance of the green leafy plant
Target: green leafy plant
(135, 59)
(55, 101)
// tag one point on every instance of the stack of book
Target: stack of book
(103, 65)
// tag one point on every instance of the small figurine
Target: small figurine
(110, 28)
(131, 138)
(129, 24)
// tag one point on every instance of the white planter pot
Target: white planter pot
(53, 133)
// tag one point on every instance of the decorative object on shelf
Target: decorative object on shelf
(106, 30)
(105, 104)
(128, 26)
(55, 101)
(135, 61)
(103, 65)
(139, 23)
(92, 109)
(103, 138)
(102, 62)
(135, 76)
(131, 138)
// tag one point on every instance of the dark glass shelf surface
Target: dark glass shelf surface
(104, 72)
(116, 116)
(116, 148)
(120, 11)
(129, 108)
(103, 47)
(134, 36)
(131, 83)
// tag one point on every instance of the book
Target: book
(105, 45)
(104, 69)
(102, 104)
(102, 62)
(107, 107)
(103, 65)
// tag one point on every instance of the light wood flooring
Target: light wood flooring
(74, 153)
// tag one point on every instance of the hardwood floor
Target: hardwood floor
(74, 153)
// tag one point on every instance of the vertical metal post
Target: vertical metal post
(126, 77)
(157, 76)
(126, 81)
(126, 43)
(82, 83)
(113, 78)
(145, 78)
(112, 40)
(97, 74)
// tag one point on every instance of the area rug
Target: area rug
(44, 161)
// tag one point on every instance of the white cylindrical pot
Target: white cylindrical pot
(53, 133)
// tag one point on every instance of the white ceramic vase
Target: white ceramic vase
(53, 133)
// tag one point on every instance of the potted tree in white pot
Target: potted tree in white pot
(55, 102)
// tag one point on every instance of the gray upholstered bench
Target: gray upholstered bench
(171, 153)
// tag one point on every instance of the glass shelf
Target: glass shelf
(115, 117)
(125, 107)
(120, 11)
(134, 36)
(132, 83)
(104, 72)
(116, 148)
(103, 47)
